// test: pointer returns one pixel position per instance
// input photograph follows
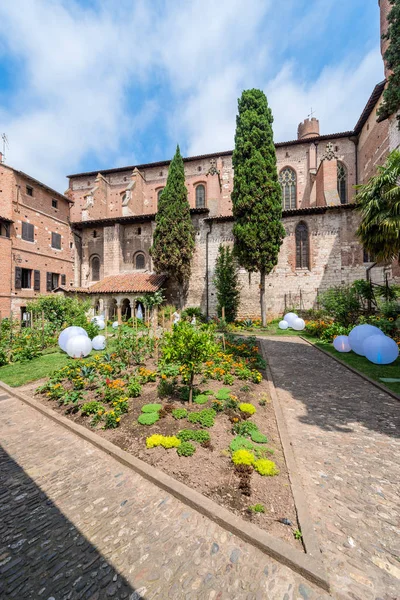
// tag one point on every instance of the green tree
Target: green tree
(173, 242)
(391, 95)
(226, 282)
(378, 200)
(256, 196)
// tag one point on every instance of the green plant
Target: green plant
(245, 388)
(223, 394)
(256, 195)
(61, 311)
(226, 282)
(193, 311)
(148, 418)
(162, 440)
(134, 388)
(174, 235)
(112, 419)
(391, 95)
(179, 413)
(243, 457)
(245, 428)
(342, 303)
(90, 408)
(266, 467)
(239, 443)
(205, 418)
(200, 436)
(165, 388)
(151, 408)
(71, 397)
(297, 534)
(258, 437)
(201, 399)
(246, 407)
(257, 508)
(186, 449)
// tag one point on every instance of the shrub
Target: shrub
(151, 408)
(243, 457)
(223, 394)
(186, 449)
(245, 428)
(90, 408)
(258, 437)
(112, 419)
(161, 440)
(134, 388)
(239, 442)
(193, 311)
(165, 388)
(248, 408)
(342, 303)
(148, 418)
(228, 379)
(205, 417)
(226, 281)
(179, 413)
(61, 311)
(266, 467)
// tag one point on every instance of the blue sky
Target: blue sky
(91, 84)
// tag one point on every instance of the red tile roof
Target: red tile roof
(128, 282)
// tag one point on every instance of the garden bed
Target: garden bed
(210, 470)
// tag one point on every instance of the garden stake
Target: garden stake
(31, 315)
(223, 313)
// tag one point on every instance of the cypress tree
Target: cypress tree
(391, 95)
(257, 195)
(173, 241)
(227, 283)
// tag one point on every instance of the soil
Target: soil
(210, 471)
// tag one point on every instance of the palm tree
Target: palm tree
(379, 204)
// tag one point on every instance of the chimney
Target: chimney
(384, 9)
(308, 128)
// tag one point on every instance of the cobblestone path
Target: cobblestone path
(75, 524)
(345, 436)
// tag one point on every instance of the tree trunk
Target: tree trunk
(262, 299)
(191, 388)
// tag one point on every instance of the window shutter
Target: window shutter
(18, 278)
(36, 281)
(28, 232)
(48, 282)
(63, 279)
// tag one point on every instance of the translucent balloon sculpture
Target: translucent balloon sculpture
(100, 324)
(67, 333)
(298, 324)
(380, 349)
(79, 346)
(283, 325)
(359, 334)
(341, 343)
(99, 342)
(289, 318)
(139, 312)
(115, 325)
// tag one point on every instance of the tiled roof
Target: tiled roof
(308, 210)
(128, 282)
(37, 182)
(6, 219)
(128, 219)
(373, 99)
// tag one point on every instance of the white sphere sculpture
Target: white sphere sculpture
(100, 324)
(79, 346)
(341, 343)
(298, 324)
(359, 334)
(283, 325)
(381, 349)
(289, 318)
(67, 333)
(99, 342)
(115, 325)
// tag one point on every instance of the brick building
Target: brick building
(36, 254)
(113, 217)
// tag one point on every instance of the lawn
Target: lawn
(364, 366)
(20, 373)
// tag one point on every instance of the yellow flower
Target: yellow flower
(118, 420)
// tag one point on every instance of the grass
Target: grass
(364, 366)
(20, 373)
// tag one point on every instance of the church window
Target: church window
(288, 181)
(94, 233)
(302, 246)
(342, 182)
(200, 196)
(95, 268)
(139, 261)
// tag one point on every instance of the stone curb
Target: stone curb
(378, 385)
(309, 537)
(305, 565)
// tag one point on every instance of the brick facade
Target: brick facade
(27, 264)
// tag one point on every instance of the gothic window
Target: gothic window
(200, 196)
(342, 182)
(302, 246)
(288, 181)
(140, 261)
(95, 268)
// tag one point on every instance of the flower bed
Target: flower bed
(225, 444)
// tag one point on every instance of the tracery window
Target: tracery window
(342, 182)
(288, 181)
(302, 246)
(200, 196)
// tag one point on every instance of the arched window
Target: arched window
(302, 246)
(200, 196)
(288, 181)
(159, 194)
(95, 267)
(140, 261)
(342, 182)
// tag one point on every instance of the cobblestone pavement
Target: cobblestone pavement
(74, 523)
(345, 436)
